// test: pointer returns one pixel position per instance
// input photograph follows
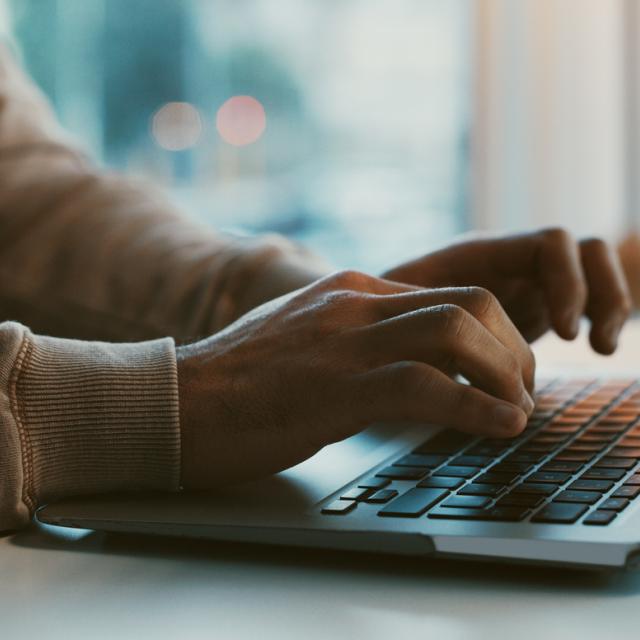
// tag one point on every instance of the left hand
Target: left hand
(544, 280)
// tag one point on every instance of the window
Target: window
(341, 123)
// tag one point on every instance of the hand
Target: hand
(543, 280)
(323, 362)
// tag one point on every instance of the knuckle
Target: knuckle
(530, 364)
(556, 235)
(479, 300)
(459, 396)
(337, 300)
(624, 304)
(349, 279)
(513, 372)
(526, 361)
(581, 292)
(595, 245)
(450, 319)
(411, 378)
(347, 308)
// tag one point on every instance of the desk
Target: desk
(56, 583)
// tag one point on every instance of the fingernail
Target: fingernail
(612, 332)
(508, 418)
(572, 321)
(527, 403)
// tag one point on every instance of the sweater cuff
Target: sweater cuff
(96, 417)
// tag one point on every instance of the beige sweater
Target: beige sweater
(92, 256)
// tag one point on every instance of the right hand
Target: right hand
(321, 363)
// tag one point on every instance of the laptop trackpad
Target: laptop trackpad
(291, 492)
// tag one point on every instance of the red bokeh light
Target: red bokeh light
(241, 120)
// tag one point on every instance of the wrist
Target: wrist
(205, 420)
(186, 381)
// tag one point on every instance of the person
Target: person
(277, 354)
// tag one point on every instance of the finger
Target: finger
(481, 304)
(447, 336)
(416, 392)
(609, 302)
(563, 281)
(552, 258)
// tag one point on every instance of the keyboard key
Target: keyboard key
(420, 460)
(479, 489)
(504, 514)
(627, 491)
(498, 478)
(444, 442)
(538, 447)
(624, 452)
(615, 504)
(593, 438)
(562, 465)
(490, 450)
(457, 472)
(569, 420)
(413, 503)
(608, 427)
(524, 457)
(578, 413)
(506, 467)
(373, 483)
(567, 429)
(382, 496)
(555, 477)
(630, 441)
(560, 513)
(339, 507)
(586, 497)
(599, 517)
(580, 456)
(538, 489)
(440, 483)
(587, 446)
(620, 418)
(607, 433)
(507, 514)
(615, 463)
(402, 473)
(554, 438)
(547, 437)
(472, 461)
(503, 443)
(528, 500)
(591, 485)
(357, 493)
(620, 421)
(467, 502)
(635, 479)
(596, 473)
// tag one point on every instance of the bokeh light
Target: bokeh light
(241, 120)
(177, 126)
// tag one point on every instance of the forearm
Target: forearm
(84, 253)
(83, 417)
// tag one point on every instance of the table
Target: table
(57, 583)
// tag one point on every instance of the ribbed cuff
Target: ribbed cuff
(97, 417)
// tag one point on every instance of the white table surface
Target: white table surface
(57, 583)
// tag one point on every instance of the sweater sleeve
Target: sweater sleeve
(86, 253)
(83, 417)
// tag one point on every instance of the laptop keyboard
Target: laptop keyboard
(576, 462)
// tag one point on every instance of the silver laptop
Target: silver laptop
(564, 492)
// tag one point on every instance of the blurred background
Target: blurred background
(370, 130)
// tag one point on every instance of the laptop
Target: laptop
(566, 491)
